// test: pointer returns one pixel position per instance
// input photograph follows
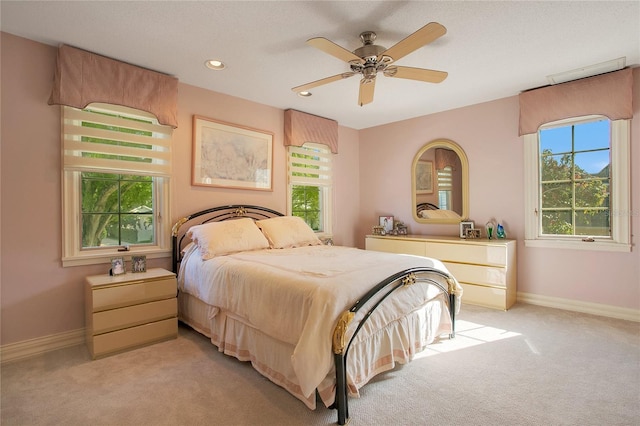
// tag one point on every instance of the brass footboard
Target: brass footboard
(412, 276)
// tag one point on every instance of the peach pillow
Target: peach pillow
(231, 236)
(288, 231)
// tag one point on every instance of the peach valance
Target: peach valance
(83, 77)
(607, 94)
(446, 157)
(300, 127)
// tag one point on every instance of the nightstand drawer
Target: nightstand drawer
(129, 316)
(128, 338)
(132, 293)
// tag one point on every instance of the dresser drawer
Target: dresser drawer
(395, 246)
(475, 274)
(468, 253)
(131, 293)
(120, 340)
(115, 319)
(484, 296)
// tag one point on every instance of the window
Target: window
(445, 187)
(310, 184)
(577, 180)
(115, 184)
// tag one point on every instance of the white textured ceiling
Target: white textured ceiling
(491, 50)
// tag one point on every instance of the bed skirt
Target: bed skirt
(375, 350)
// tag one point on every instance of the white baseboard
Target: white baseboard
(40, 345)
(578, 306)
(29, 348)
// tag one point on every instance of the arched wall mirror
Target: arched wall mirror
(440, 183)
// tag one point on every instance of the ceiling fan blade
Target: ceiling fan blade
(366, 91)
(327, 46)
(322, 81)
(423, 36)
(420, 74)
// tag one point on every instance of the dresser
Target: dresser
(486, 269)
(130, 310)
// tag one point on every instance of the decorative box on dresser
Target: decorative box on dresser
(486, 269)
(130, 310)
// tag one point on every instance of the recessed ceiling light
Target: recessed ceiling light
(214, 64)
(304, 94)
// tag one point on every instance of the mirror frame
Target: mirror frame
(442, 143)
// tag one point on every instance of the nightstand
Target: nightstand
(130, 310)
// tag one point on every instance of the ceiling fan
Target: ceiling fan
(370, 59)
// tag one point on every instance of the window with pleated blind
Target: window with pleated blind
(310, 185)
(116, 168)
(445, 187)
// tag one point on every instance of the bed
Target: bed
(266, 290)
(431, 211)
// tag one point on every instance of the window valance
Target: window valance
(607, 94)
(83, 77)
(300, 127)
(446, 157)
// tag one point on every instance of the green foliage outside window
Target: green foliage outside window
(575, 201)
(116, 210)
(306, 204)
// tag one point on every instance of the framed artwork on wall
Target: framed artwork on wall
(424, 177)
(231, 156)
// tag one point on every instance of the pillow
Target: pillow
(231, 236)
(288, 231)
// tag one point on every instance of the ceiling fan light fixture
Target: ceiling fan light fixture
(304, 94)
(371, 59)
(215, 65)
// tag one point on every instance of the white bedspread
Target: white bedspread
(296, 295)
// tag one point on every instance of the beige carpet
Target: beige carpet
(528, 366)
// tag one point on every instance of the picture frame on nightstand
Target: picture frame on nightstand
(117, 266)
(138, 264)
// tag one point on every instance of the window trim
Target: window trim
(72, 253)
(620, 240)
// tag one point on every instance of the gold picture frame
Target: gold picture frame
(473, 233)
(231, 156)
(138, 264)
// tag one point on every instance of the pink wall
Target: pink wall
(39, 297)
(488, 133)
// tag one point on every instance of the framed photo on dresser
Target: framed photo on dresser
(464, 226)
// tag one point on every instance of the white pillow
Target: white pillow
(288, 231)
(231, 236)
